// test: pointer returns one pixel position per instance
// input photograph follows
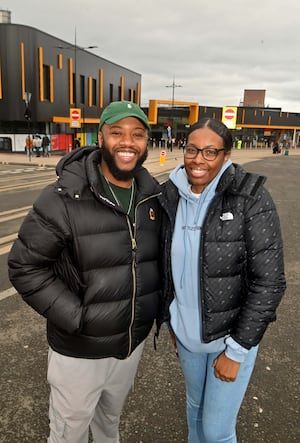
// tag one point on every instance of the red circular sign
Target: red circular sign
(229, 114)
(75, 115)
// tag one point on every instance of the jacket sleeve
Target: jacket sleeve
(42, 238)
(264, 271)
(169, 202)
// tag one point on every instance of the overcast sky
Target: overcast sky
(212, 49)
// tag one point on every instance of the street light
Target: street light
(27, 113)
(76, 48)
(169, 129)
(173, 86)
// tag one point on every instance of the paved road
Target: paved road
(155, 411)
(153, 161)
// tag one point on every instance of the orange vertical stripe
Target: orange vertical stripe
(23, 86)
(100, 88)
(41, 74)
(71, 98)
(122, 81)
(51, 84)
(90, 85)
(59, 61)
(138, 93)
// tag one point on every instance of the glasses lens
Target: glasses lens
(209, 153)
(190, 152)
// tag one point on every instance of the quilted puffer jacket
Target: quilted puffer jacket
(80, 262)
(241, 258)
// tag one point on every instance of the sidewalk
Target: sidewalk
(152, 163)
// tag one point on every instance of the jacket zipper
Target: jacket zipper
(132, 233)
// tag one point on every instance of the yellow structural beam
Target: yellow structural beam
(153, 110)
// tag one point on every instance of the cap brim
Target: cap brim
(120, 116)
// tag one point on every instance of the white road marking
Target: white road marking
(7, 293)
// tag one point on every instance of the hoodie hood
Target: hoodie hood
(180, 179)
(71, 172)
(73, 156)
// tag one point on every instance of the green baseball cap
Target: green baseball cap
(116, 111)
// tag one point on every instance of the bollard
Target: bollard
(162, 158)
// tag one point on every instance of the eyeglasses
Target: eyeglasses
(208, 154)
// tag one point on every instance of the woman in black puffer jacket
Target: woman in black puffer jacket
(224, 276)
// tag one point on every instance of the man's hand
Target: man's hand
(225, 368)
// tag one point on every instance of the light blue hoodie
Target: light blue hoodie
(185, 309)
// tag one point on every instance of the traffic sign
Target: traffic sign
(229, 115)
(75, 117)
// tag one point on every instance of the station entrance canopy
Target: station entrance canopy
(153, 110)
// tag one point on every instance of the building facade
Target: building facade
(49, 86)
(255, 126)
(43, 78)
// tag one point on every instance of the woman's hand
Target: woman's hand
(225, 368)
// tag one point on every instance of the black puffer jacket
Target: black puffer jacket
(241, 256)
(101, 298)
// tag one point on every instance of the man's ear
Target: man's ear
(100, 139)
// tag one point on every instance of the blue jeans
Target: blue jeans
(212, 405)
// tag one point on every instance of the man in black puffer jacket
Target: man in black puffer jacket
(87, 259)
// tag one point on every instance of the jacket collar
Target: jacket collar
(237, 180)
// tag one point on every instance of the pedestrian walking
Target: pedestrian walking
(224, 274)
(37, 143)
(77, 143)
(45, 145)
(28, 146)
(86, 258)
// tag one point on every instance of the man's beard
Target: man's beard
(115, 171)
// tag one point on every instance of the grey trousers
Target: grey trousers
(88, 393)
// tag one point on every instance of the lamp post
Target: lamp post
(169, 131)
(27, 115)
(173, 86)
(76, 48)
(75, 61)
